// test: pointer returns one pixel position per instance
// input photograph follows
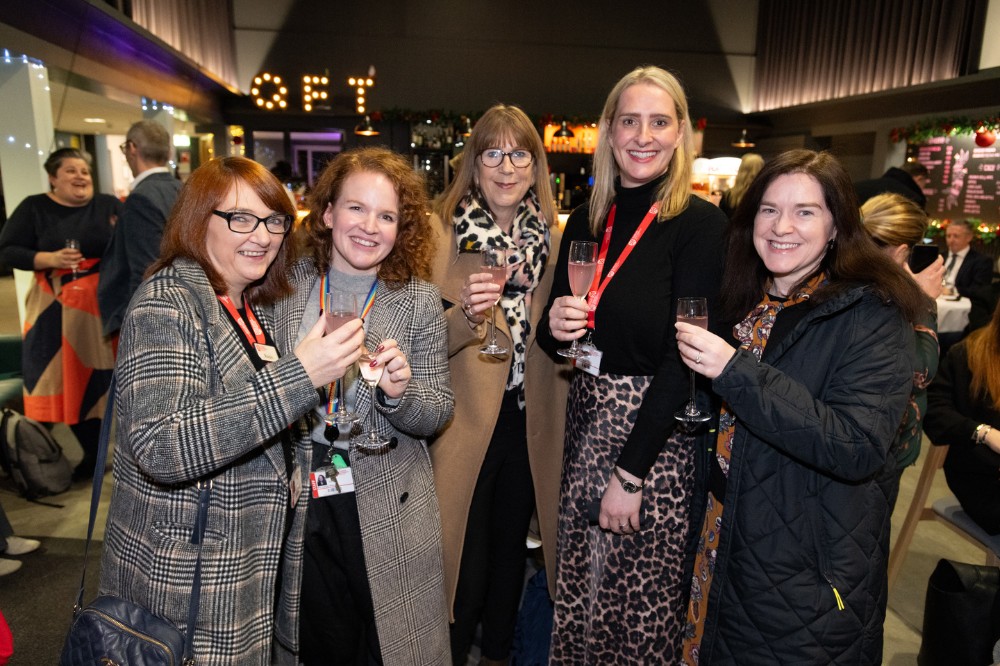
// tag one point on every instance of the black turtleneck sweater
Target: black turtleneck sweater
(634, 321)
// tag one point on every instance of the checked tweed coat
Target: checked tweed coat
(397, 506)
(192, 407)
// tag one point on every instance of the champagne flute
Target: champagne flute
(73, 244)
(494, 262)
(582, 267)
(341, 307)
(692, 311)
(370, 441)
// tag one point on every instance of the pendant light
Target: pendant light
(366, 128)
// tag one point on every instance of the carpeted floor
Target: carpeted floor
(37, 600)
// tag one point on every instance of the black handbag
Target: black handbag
(961, 615)
(115, 631)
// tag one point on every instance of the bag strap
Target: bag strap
(204, 495)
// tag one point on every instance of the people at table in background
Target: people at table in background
(210, 390)
(372, 589)
(621, 585)
(67, 362)
(135, 243)
(896, 224)
(791, 562)
(486, 467)
(963, 412)
(965, 268)
(908, 179)
(750, 166)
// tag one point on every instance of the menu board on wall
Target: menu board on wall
(963, 178)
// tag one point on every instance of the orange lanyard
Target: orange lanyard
(258, 333)
(594, 295)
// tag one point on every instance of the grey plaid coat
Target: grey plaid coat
(397, 506)
(190, 407)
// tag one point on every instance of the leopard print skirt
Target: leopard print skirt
(620, 599)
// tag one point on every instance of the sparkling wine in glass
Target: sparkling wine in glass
(73, 244)
(582, 267)
(370, 440)
(493, 260)
(341, 307)
(692, 311)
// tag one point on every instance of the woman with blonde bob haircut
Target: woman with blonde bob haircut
(627, 476)
(750, 166)
(490, 473)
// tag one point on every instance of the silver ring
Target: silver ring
(698, 360)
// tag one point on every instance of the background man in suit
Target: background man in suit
(965, 269)
(907, 180)
(136, 240)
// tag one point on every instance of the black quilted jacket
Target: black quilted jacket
(801, 569)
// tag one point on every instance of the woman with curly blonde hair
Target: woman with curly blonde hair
(372, 584)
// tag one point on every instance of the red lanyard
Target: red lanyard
(258, 333)
(594, 295)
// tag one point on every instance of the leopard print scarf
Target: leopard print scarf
(528, 241)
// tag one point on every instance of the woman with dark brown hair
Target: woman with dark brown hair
(791, 560)
(963, 411)
(66, 361)
(209, 392)
(372, 590)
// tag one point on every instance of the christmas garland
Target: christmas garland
(947, 126)
(984, 232)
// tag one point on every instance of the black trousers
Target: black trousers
(491, 577)
(336, 615)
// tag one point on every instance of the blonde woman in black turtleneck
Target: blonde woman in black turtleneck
(628, 467)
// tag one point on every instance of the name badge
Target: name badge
(590, 362)
(327, 481)
(266, 352)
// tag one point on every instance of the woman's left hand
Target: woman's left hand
(702, 351)
(396, 372)
(619, 509)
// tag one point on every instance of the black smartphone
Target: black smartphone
(922, 256)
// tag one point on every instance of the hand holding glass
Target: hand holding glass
(73, 244)
(371, 440)
(582, 267)
(692, 311)
(493, 260)
(341, 307)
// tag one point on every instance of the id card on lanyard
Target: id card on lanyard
(266, 352)
(591, 363)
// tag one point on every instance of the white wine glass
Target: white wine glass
(371, 440)
(692, 311)
(493, 260)
(582, 266)
(341, 307)
(73, 244)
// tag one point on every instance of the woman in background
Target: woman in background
(488, 470)
(67, 361)
(791, 563)
(372, 589)
(750, 166)
(621, 587)
(896, 224)
(963, 411)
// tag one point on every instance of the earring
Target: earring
(829, 245)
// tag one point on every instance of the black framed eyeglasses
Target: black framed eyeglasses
(124, 147)
(492, 157)
(246, 223)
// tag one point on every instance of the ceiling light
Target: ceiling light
(743, 141)
(365, 128)
(96, 121)
(563, 132)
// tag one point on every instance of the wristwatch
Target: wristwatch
(628, 486)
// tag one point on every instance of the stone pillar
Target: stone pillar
(26, 139)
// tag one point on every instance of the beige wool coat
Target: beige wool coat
(478, 382)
